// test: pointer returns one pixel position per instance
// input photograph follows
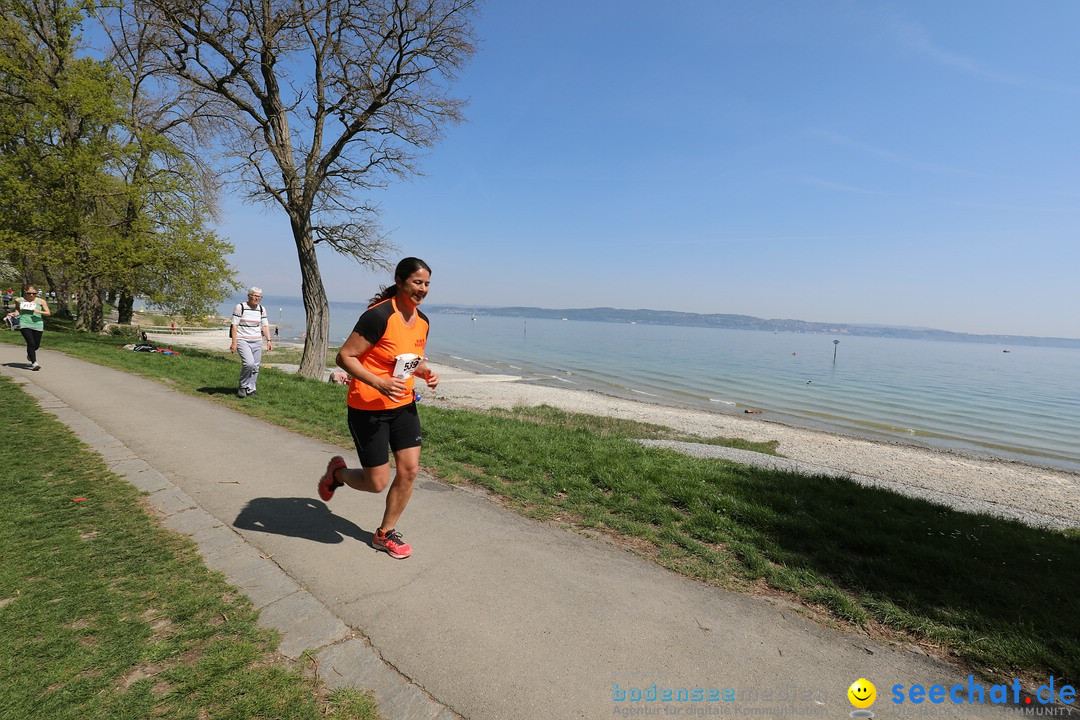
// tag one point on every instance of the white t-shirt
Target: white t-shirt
(249, 321)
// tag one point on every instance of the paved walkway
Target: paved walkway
(494, 617)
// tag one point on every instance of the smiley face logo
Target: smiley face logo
(862, 693)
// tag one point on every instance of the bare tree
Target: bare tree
(327, 100)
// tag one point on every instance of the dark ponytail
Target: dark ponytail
(404, 269)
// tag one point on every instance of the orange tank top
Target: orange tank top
(389, 335)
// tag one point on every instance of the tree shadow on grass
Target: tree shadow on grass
(298, 517)
(1006, 594)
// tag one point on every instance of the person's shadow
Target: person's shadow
(20, 365)
(217, 390)
(298, 517)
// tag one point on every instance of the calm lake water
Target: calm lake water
(1021, 405)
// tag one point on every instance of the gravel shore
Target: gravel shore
(1034, 495)
(210, 339)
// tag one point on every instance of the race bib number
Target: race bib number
(31, 305)
(405, 365)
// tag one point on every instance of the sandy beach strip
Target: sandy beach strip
(1035, 495)
(209, 339)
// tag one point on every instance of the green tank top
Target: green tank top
(30, 315)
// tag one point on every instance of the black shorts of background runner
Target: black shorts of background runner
(374, 431)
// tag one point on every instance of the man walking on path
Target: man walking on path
(249, 328)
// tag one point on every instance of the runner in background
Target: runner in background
(31, 309)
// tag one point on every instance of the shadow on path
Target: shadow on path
(298, 517)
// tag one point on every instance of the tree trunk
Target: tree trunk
(316, 306)
(126, 307)
(88, 317)
(91, 294)
(60, 306)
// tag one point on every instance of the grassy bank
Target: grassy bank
(103, 614)
(993, 594)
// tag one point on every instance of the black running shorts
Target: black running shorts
(374, 430)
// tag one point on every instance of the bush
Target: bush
(129, 332)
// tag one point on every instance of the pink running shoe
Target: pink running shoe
(392, 543)
(327, 484)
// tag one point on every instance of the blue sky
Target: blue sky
(909, 163)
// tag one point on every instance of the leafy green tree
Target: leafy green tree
(170, 256)
(59, 151)
(174, 260)
(96, 198)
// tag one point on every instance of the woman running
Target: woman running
(382, 355)
(31, 309)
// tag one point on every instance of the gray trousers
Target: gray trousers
(250, 352)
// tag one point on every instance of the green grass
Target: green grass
(995, 595)
(107, 615)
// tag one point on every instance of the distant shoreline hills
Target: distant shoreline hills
(748, 322)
